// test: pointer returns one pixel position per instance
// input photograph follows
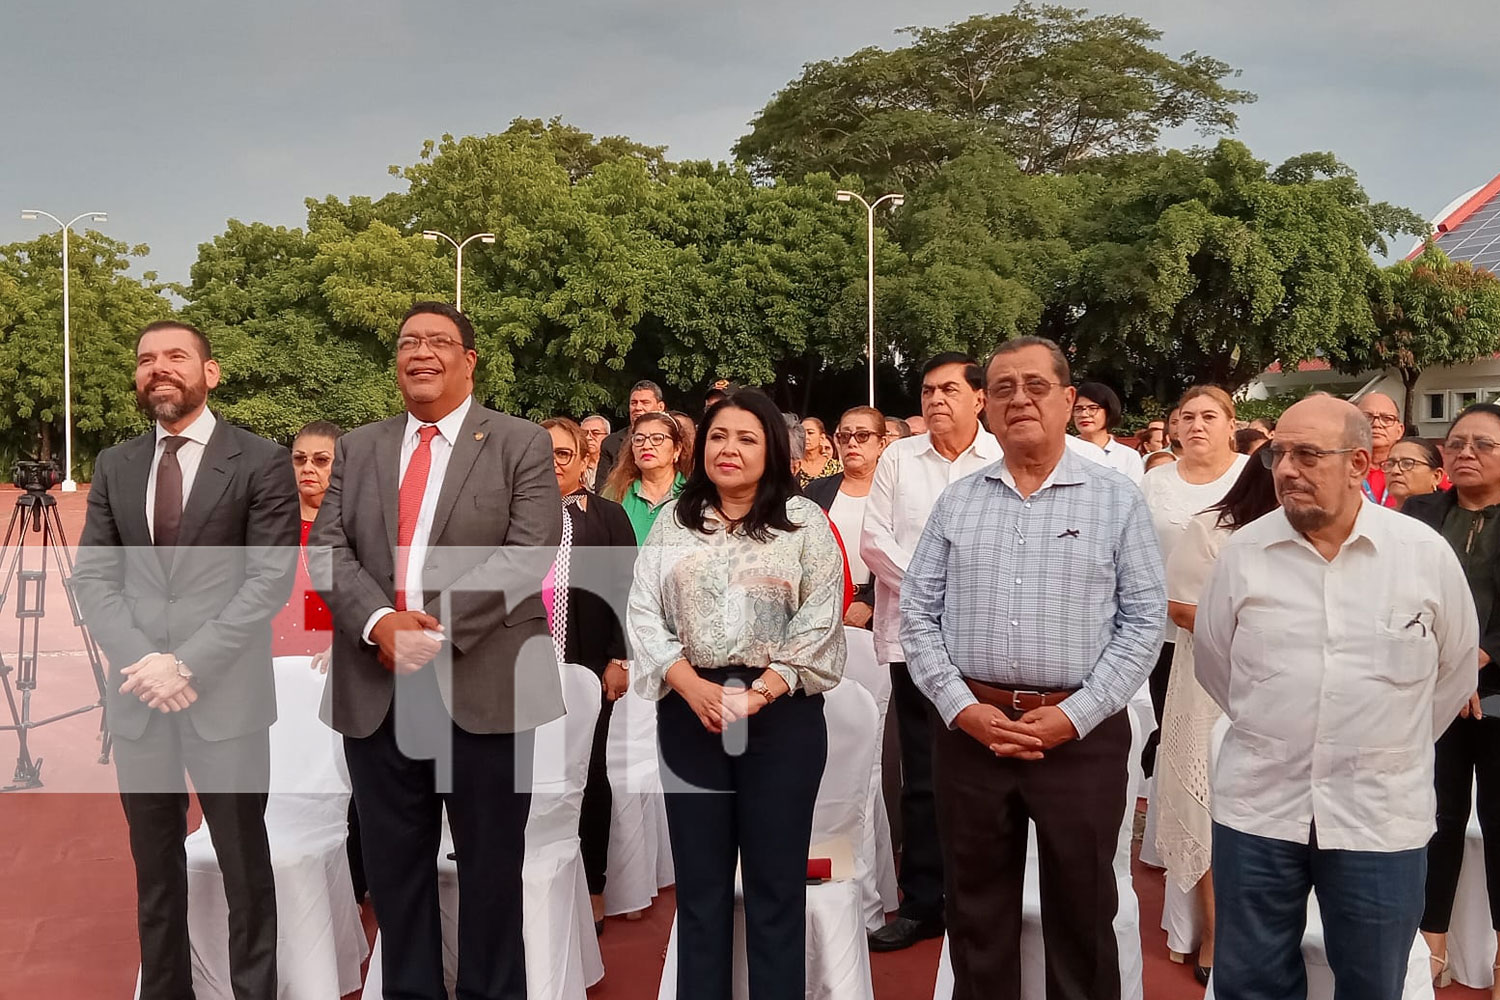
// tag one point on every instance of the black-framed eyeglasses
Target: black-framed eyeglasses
(862, 436)
(655, 440)
(1087, 411)
(1404, 464)
(564, 456)
(1305, 456)
(1382, 419)
(1036, 388)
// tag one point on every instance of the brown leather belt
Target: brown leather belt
(1016, 701)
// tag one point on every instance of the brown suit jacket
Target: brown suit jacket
(495, 531)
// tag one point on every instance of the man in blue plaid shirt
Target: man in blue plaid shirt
(1033, 608)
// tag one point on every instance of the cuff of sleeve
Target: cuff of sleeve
(953, 697)
(793, 682)
(650, 682)
(370, 622)
(1083, 710)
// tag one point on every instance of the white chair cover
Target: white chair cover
(838, 959)
(562, 951)
(320, 941)
(640, 855)
(1127, 916)
(1471, 939)
(877, 884)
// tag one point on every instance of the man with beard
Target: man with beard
(188, 551)
(1340, 638)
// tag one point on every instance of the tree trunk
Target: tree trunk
(46, 452)
(1409, 404)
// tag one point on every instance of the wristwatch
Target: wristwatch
(760, 687)
(182, 670)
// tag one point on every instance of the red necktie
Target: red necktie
(413, 486)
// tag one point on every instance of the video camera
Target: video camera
(35, 477)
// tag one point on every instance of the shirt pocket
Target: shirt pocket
(1259, 652)
(1397, 777)
(1404, 646)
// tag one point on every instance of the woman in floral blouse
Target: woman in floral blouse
(736, 625)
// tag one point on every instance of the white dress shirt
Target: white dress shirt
(848, 515)
(189, 457)
(908, 479)
(1337, 677)
(1125, 460)
(442, 448)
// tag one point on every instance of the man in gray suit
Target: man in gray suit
(434, 536)
(188, 551)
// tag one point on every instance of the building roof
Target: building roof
(1469, 229)
(1313, 365)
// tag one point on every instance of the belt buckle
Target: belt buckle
(1015, 699)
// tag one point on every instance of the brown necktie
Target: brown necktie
(168, 509)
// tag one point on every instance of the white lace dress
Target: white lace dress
(1184, 826)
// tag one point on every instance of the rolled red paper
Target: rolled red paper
(820, 868)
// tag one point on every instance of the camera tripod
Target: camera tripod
(36, 513)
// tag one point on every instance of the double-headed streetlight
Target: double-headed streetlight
(894, 199)
(458, 290)
(30, 214)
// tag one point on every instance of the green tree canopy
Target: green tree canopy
(1051, 86)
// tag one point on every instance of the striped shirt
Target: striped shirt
(1062, 589)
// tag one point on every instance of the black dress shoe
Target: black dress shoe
(1201, 973)
(903, 932)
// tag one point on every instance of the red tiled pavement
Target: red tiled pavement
(67, 900)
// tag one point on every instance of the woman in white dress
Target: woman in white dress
(1183, 824)
(1202, 474)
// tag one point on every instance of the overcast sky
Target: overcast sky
(175, 115)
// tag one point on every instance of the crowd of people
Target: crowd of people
(1317, 593)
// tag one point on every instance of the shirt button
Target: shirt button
(1014, 623)
(1021, 541)
(1018, 579)
(1028, 505)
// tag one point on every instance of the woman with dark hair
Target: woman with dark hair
(1184, 826)
(1468, 516)
(592, 633)
(736, 625)
(1414, 467)
(651, 469)
(1095, 412)
(818, 461)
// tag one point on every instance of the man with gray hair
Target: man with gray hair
(1340, 638)
(595, 430)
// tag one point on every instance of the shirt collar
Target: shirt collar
(984, 445)
(1368, 527)
(634, 489)
(1070, 470)
(448, 427)
(199, 431)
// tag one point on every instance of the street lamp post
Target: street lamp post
(458, 289)
(895, 200)
(30, 214)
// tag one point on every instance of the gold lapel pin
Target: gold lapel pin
(479, 435)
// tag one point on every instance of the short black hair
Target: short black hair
(973, 374)
(1102, 395)
(430, 308)
(646, 385)
(205, 349)
(320, 428)
(1060, 366)
(777, 484)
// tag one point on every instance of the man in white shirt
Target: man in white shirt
(1340, 638)
(910, 475)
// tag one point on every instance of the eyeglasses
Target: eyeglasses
(1382, 419)
(1087, 411)
(1404, 464)
(409, 343)
(1482, 446)
(862, 436)
(1036, 388)
(1304, 455)
(654, 440)
(563, 456)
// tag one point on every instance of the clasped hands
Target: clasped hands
(1026, 738)
(154, 679)
(404, 645)
(716, 706)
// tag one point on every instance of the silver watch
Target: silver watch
(760, 687)
(182, 670)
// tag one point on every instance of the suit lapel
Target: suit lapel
(134, 473)
(388, 457)
(215, 470)
(471, 440)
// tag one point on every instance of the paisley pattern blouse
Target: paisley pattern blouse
(718, 598)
